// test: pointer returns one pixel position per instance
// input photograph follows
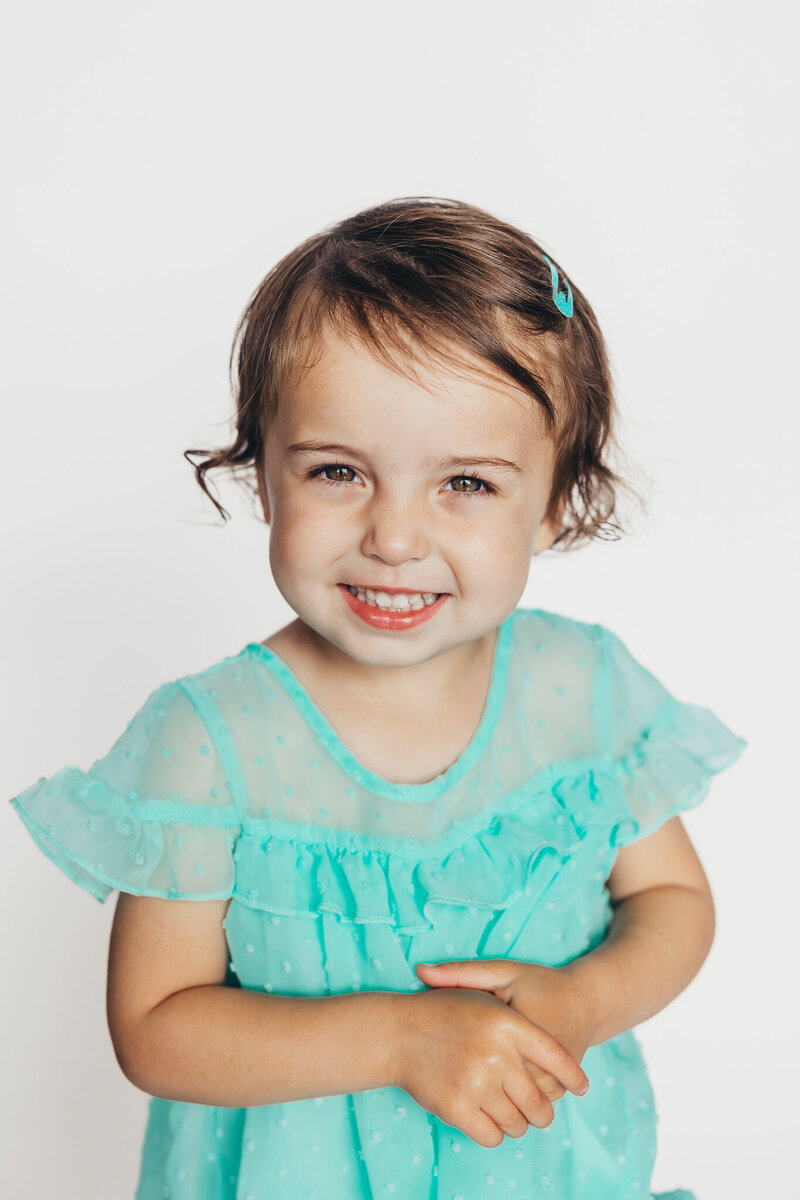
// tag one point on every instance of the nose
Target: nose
(395, 528)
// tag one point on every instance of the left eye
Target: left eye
(482, 484)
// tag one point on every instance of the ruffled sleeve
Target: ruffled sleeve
(663, 753)
(154, 817)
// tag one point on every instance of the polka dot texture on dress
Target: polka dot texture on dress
(232, 783)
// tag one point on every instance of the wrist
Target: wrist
(582, 999)
(392, 1032)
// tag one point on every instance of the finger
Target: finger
(505, 1113)
(550, 1087)
(546, 1051)
(480, 1127)
(484, 974)
(528, 1100)
(546, 1083)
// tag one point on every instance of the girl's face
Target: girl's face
(371, 481)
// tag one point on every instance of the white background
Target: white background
(161, 157)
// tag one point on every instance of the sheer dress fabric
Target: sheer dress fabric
(231, 783)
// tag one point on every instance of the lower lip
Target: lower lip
(382, 618)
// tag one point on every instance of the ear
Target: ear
(549, 529)
(262, 491)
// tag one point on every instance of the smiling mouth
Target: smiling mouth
(393, 599)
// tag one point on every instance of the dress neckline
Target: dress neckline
(371, 780)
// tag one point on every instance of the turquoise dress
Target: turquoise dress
(232, 783)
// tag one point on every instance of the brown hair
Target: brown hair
(439, 275)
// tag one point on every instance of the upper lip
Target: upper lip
(390, 590)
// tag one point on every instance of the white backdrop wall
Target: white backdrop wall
(161, 158)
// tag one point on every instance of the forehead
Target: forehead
(342, 380)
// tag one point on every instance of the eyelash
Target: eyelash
(317, 472)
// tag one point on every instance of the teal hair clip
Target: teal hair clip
(563, 301)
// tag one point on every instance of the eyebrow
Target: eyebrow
(311, 447)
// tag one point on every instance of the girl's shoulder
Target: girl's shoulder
(557, 627)
(157, 814)
(566, 643)
(633, 752)
(569, 643)
(577, 667)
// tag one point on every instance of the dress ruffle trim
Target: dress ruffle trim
(104, 841)
(668, 771)
(517, 854)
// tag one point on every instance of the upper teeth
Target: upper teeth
(397, 600)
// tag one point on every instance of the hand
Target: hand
(461, 1054)
(547, 996)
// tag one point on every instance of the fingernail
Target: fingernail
(584, 1089)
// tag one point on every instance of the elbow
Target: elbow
(128, 1051)
(706, 919)
(133, 1071)
(128, 1065)
(712, 920)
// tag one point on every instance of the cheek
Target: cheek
(501, 542)
(300, 536)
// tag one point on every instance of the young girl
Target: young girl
(397, 881)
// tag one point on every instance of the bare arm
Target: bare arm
(235, 1048)
(662, 931)
(180, 1033)
(655, 946)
